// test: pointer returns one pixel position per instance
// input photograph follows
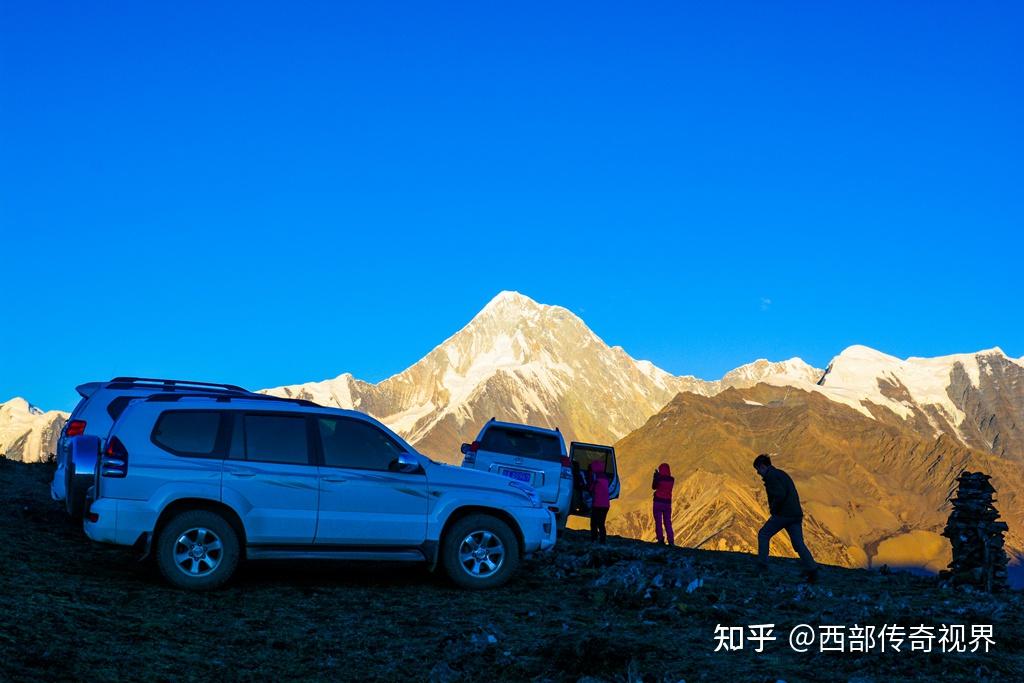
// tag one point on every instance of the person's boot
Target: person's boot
(811, 575)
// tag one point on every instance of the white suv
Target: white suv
(203, 482)
(537, 456)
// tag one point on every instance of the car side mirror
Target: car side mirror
(406, 463)
(464, 448)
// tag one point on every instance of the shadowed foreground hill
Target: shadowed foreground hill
(71, 610)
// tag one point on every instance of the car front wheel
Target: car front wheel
(197, 550)
(480, 551)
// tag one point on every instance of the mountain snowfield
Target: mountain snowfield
(27, 433)
(962, 395)
(519, 360)
(522, 361)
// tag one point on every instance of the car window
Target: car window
(117, 406)
(276, 438)
(357, 444)
(583, 456)
(523, 443)
(191, 432)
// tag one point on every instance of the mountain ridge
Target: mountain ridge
(528, 362)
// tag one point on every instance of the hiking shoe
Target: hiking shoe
(811, 576)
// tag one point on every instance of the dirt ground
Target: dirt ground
(74, 610)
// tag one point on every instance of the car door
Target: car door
(364, 500)
(271, 478)
(581, 455)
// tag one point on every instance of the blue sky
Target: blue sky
(268, 194)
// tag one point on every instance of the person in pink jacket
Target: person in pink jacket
(599, 483)
(662, 485)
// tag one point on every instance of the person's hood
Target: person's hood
(664, 470)
(597, 467)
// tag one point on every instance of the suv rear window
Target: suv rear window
(523, 443)
(188, 432)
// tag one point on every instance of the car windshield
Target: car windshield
(523, 443)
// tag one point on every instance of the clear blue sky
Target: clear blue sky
(272, 194)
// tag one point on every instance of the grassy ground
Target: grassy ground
(70, 609)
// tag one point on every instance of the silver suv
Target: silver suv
(203, 482)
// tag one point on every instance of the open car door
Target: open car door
(580, 456)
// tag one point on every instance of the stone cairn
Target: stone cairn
(977, 538)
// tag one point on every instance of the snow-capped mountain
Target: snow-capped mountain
(977, 398)
(792, 371)
(522, 361)
(26, 432)
(528, 362)
(516, 360)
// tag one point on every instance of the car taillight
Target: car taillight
(566, 468)
(114, 461)
(75, 428)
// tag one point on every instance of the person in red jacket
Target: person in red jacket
(662, 486)
(599, 483)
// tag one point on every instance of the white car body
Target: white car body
(301, 509)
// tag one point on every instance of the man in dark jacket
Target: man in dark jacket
(786, 513)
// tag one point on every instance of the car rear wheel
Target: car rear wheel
(480, 551)
(197, 550)
(74, 494)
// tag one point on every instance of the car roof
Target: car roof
(514, 425)
(264, 403)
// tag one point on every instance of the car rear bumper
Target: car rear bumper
(121, 522)
(539, 527)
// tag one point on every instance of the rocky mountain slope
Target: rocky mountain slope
(630, 611)
(521, 361)
(27, 433)
(874, 492)
(977, 398)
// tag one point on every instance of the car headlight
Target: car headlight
(527, 491)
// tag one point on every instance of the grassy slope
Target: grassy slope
(70, 609)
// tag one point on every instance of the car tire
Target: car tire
(74, 502)
(197, 550)
(480, 551)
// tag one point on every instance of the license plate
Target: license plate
(518, 475)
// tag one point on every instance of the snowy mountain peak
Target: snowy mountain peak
(779, 372)
(26, 432)
(518, 360)
(509, 304)
(18, 405)
(859, 352)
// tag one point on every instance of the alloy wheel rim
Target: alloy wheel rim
(198, 552)
(481, 554)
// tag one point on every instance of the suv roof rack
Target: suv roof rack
(226, 397)
(172, 384)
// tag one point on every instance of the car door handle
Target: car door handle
(242, 475)
(334, 480)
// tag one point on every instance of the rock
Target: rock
(979, 558)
